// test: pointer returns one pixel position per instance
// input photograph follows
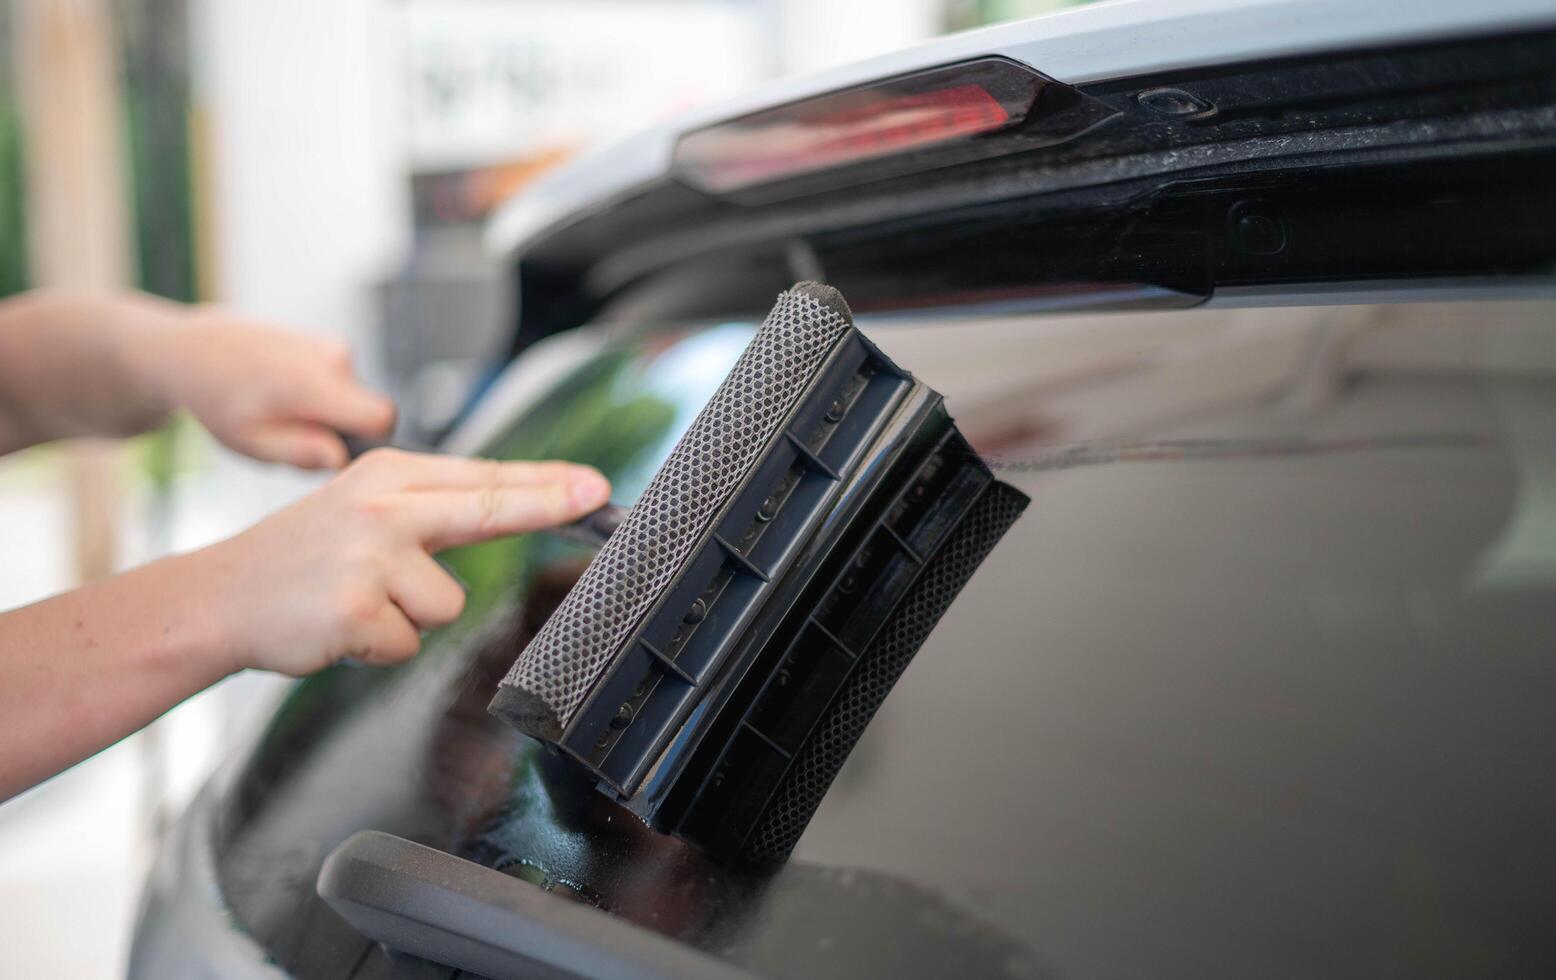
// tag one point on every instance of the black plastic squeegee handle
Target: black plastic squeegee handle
(459, 913)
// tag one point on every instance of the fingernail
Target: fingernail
(589, 489)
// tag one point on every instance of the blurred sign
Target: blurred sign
(495, 80)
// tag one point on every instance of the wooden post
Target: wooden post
(78, 215)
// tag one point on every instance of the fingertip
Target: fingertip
(371, 414)
(386, 414)
(327, 452)
(588, 489)
(335, 457)
(304, 446)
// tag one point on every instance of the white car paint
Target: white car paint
(1118, 39)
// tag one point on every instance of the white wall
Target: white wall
(819, 34)
(309, 201)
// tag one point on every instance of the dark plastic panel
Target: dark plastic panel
(448, 910)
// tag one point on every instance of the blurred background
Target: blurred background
(326, 164)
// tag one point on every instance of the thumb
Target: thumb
(341, 402)
(309, 447)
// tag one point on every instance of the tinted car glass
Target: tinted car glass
(1259, 684)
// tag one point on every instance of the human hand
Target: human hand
(348, 570)
(266, 392)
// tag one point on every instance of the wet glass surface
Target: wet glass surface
(1260, 684)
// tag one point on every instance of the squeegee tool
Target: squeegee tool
(717, 661)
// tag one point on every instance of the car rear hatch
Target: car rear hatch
(982, 183)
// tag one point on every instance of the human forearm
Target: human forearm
(85, 669)
(69, 365)
(345, 572)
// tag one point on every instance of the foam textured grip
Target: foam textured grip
(552, 677)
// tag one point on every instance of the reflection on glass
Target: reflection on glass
(620, 413)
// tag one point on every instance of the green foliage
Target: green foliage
(13, 224)
(158, 457)
(155, 113)
(964, 14)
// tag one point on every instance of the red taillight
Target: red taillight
(931, 109)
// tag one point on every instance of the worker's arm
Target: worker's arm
(345, 572)
(115, 364)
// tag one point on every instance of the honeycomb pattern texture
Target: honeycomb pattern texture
(554, 674)
(822, 756)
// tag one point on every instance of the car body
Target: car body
(1260, 683)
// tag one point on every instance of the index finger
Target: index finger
(403, 470)
(450, 518)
